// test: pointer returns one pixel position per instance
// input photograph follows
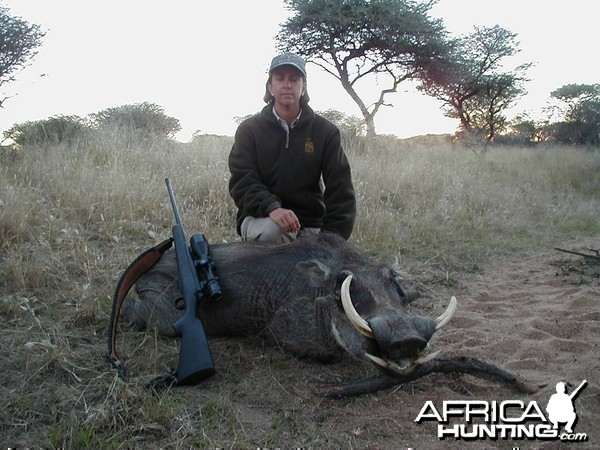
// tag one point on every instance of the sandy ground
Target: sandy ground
(537, 316)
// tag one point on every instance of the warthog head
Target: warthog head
(371, 319)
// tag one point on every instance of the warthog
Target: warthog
(318, 297)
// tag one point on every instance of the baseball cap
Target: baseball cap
(288, 59)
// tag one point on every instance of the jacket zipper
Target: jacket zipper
(286, 162)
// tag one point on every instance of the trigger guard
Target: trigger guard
(180, 304)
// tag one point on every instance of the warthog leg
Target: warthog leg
(441, 364)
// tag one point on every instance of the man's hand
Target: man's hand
(286, 219)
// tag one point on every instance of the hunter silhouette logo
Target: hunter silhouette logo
(560, 407)
(507, 419)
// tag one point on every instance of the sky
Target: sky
(206, 62)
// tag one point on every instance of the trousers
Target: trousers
(265, 229)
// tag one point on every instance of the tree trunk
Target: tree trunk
(369, 120)
(369, 117)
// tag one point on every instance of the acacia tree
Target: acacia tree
(498, 92)
(19, 42)
(470, 82)
(356, 39)
(581, 113)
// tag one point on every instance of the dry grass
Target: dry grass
(72, 218)
(458, 206)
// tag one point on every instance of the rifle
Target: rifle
(195, 358)
(576, 391)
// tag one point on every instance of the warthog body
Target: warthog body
(292, 294)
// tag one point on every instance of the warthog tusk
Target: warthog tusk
(355, 319)
(429, 357)
(379, 361)
(447, 315)
(395, 367)
(387, 364)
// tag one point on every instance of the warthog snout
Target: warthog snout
(399, 338)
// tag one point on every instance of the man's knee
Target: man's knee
(264, 229)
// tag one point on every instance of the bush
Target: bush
(351, 128)
(136, 123)
(54, 130)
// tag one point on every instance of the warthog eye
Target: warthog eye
(339, 280)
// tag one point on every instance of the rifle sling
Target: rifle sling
(134, 271)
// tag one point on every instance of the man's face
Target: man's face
(287, 86)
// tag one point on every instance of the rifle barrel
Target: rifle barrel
(576, 391)
(173, 201)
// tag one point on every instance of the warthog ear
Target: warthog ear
(317, 273)
(398, 279)
(407, 296)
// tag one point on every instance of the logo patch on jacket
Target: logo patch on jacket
(309, 146)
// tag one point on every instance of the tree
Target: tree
(138, 122)
(498, 92)
(470, 83)
(581, 111)
(357, 39)
(19, 42)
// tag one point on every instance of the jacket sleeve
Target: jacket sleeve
(246, 188)
(339, 198)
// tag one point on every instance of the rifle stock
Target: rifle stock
(195, 358)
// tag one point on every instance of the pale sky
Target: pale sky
(205, 62)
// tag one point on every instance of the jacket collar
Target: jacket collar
(306, 115)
